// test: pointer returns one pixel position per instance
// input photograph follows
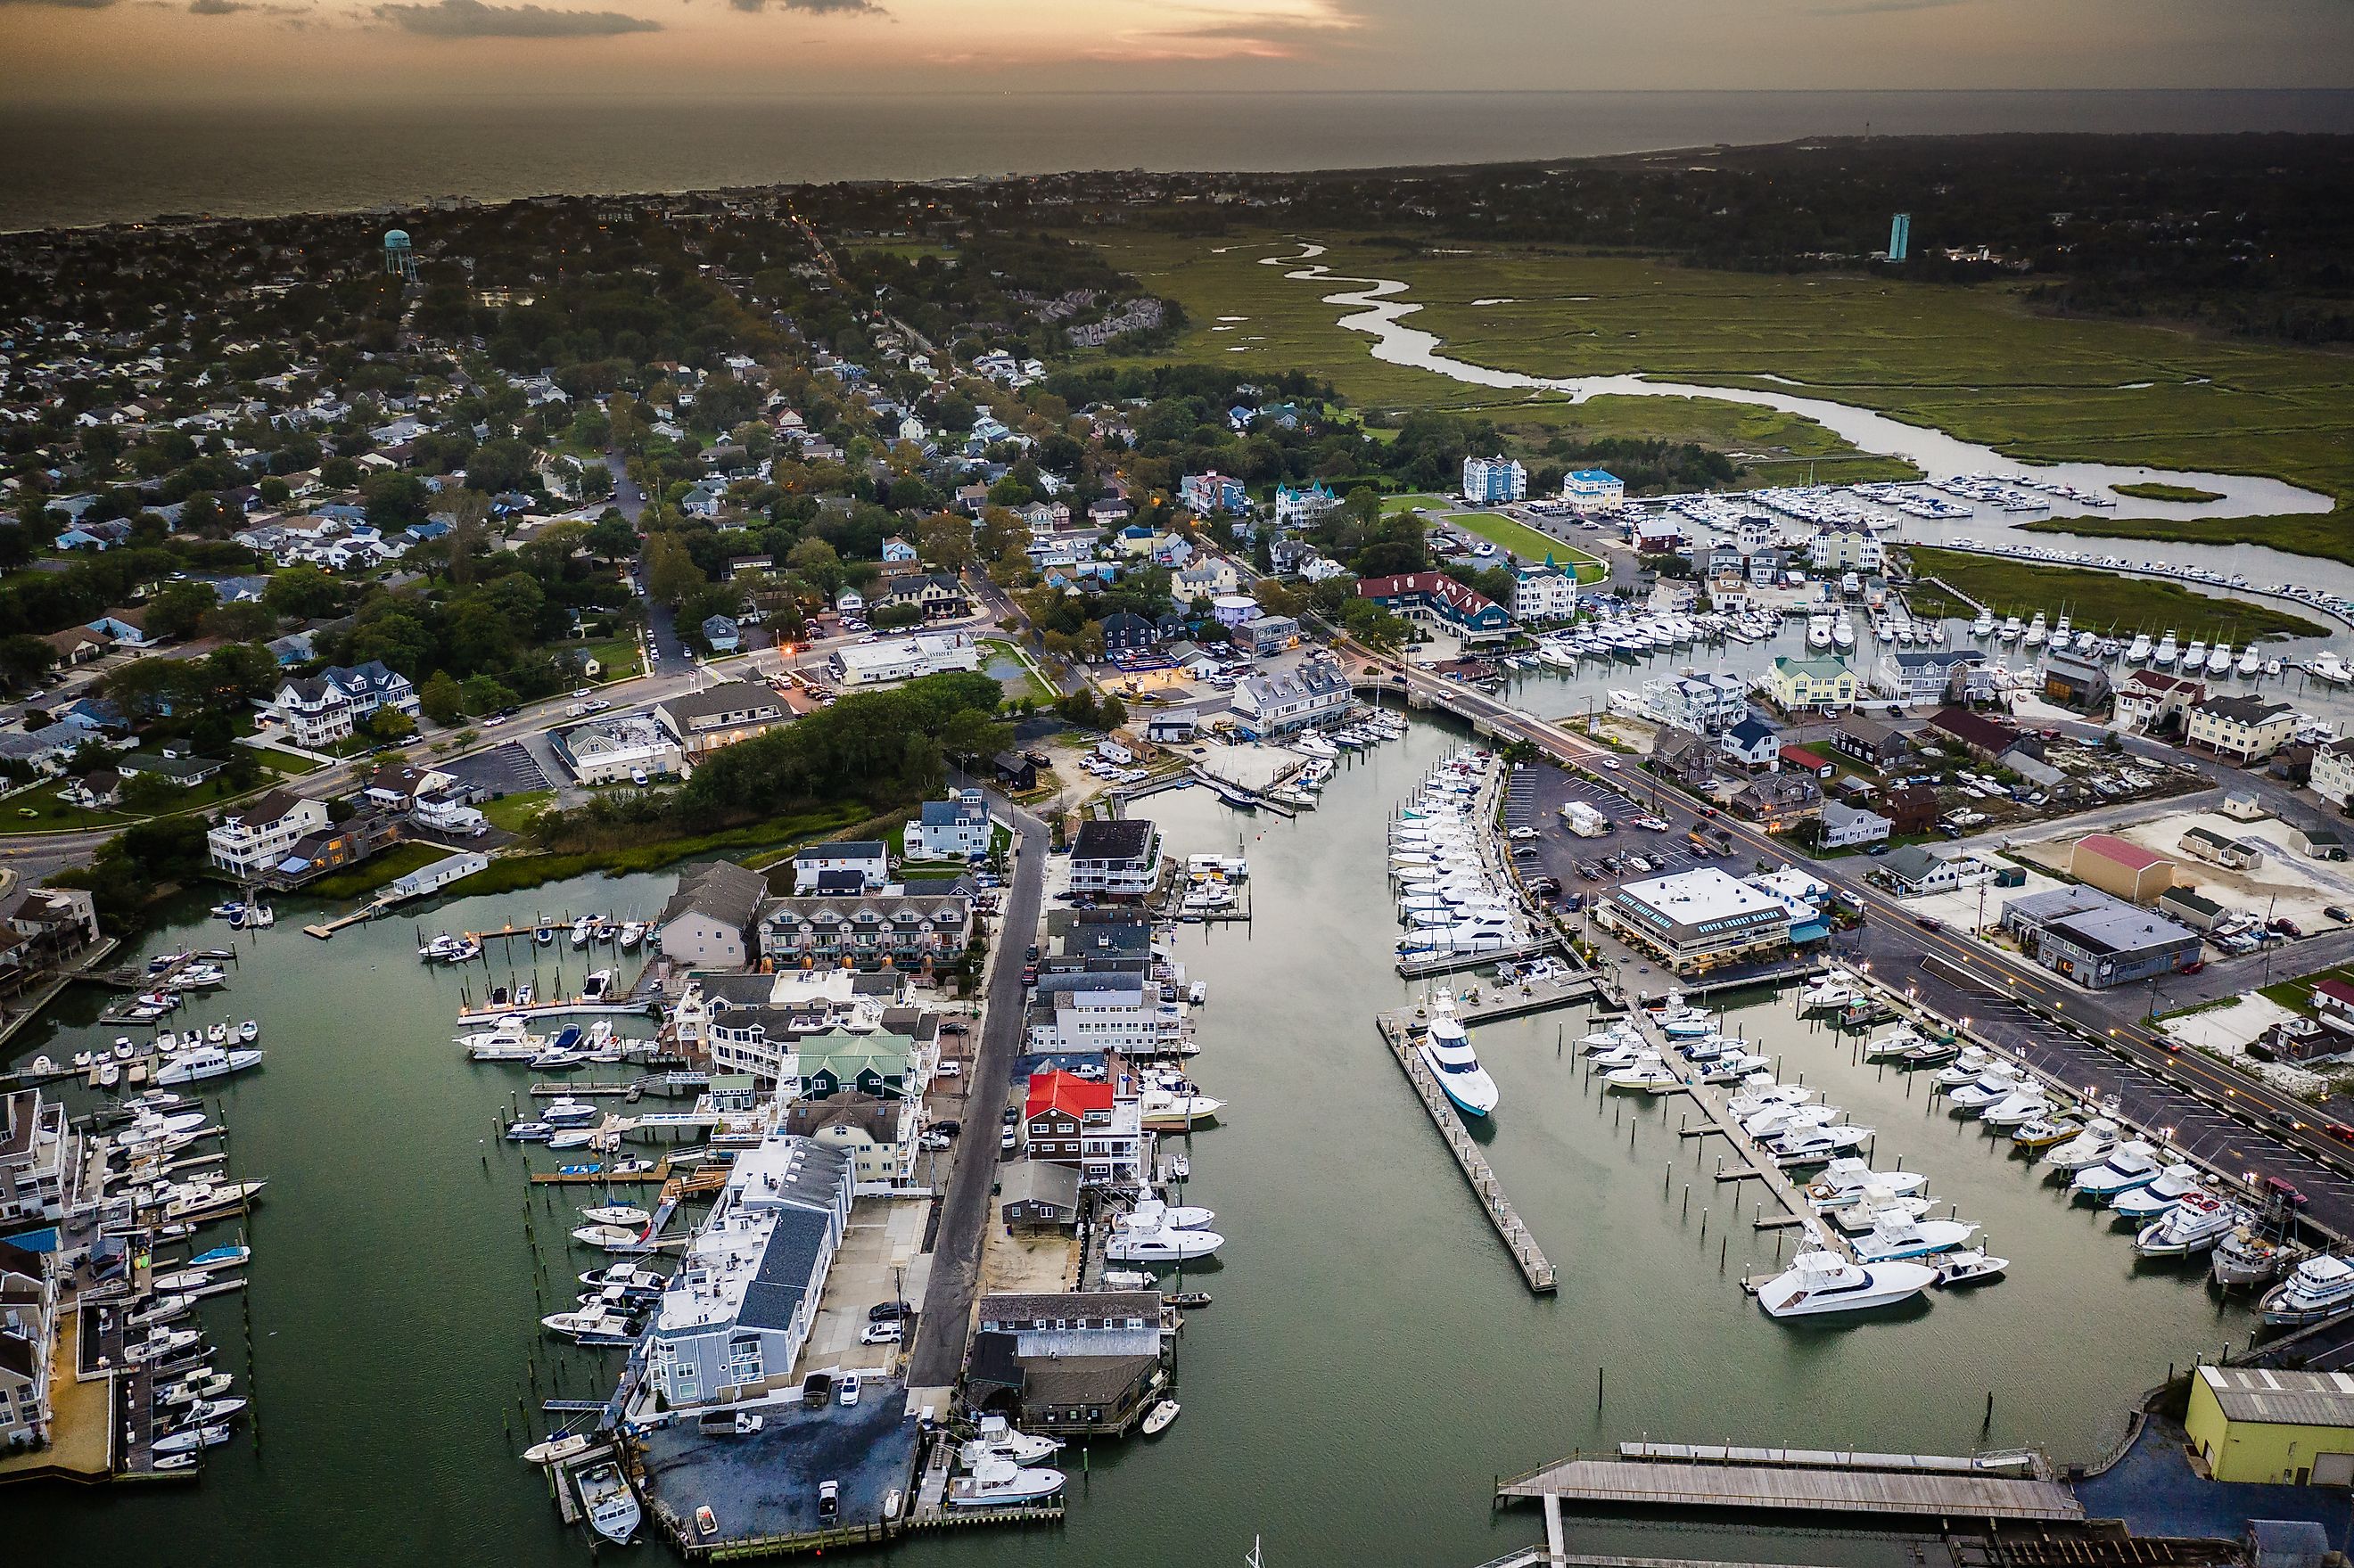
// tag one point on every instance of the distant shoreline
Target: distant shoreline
(84, 164)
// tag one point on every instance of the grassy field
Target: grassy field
(1972, 361)
(370, 874)
(2328, 535)
(1524, 540)
(2189, 494)
(512, 872)
(617, 657)
(514, 811)
(2101, 600)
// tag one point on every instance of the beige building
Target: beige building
(2121, 867)
(2242, 729)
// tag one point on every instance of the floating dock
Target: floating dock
(1804, 1481)
(1526, 1254)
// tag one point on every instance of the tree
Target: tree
(242, 622)
(302, 593)
(612, 537)
(946, 541)
(178, 608)
(485, 695)
(388, 723)
(442, 699)
(671, 575)
(819, 563)
(25, 658)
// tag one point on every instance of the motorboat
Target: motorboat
(1877, 1208)
(627, 1277)
(2194, 658)
(1848, 1180)
(584, 931)
(2036, 633)
(610, 1238)
(2251, 662)
(1610, 1038)
(2027, 1103)
(2219, 659)
(2159, 1198)
(174, 1444)
(1734, 1066)
(231, 1256)
(632, 933)
(1825, 993)
(556, 1450)
(2321, 1286)
(1989, 1089)
(572, 1137)
(162, 1347)
(2167, 653)
(2010, 629)
(1152, 1210)
(997, 1437)
(610, 1504)
(1820, 1282)
(1775, 1119)
(1815, 1145)
(1983, 627)
(1162, 1110)
(1127, 1280)
(1651, 1077)
(2248, 1257)
(1894, 1044)
(2197, 1222)
(1843, 633)
(2088, 1147)
(1447, 1051)
(1001, 1483)
(2046, 1130)
(1966, 1067)
(1688, 1023)
(529, 1132)
(2329, 667)
(2138, 652)
(1896, 1235)
(248, 1032)
(1968, 1265)
(1819, 632)
(218, 1035)
(1625, 1055)
(1754, 1098)
(2133, 1163)
(205, 1062)
(1157, 1420)
(566, 1111)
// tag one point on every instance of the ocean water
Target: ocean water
(75, 165)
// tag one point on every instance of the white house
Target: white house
(1488, 480)
(1593, 489)
(250, 840)
(322, 709)
(2333, 771)
(1267, 705)
(1543, 593)
(953, 829)
(1120, 859)
(1845, 826)
(866, 858)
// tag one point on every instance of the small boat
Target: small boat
(169, 1462)
(187, 1442)
(566, 1111)
(545, 935)
(220, 1257)
(632, 933)
(110, 1074)
(1968, 1265)
(633, 1280)
(593, 1326)
(248, 1032)
(609, 1238)
(1157, 1419)
(529, 1132)
(1897, 1044)
(1186, 1300)
(618, 1214)
(556, 1450)
(610, 1504)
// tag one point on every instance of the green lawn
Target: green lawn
(1033, 687)
(512, 812)
(2328, 535)
(354, 882)
(510, 872)
(1974, 361)
(619, 656)
(2297, 995)
(2101, 600)
(52, 815)
(1526, 542)
(285, 762)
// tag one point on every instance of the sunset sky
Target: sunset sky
(266, 49)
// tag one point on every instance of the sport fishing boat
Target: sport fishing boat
(205, 1062)
(999, 1438)
(611, 1506)
(1848, 1182)
(2320, 1288)
(2197, 1222)
(1146, 1238)
(1820, 1282)
(1815, 1145)
(1964, 1068)
(1000, 1483)
(2088, 1147)
(2133, 1163)
(2175, 1183)
(2248, 1257)
(1166, 1110)
(1894, 1044)
(1897, 1236)
(1447, 1051)
(1989, 1089)
(1968, 1265)
(1825, 993)
(2044, 1132)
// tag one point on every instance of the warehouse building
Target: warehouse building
(2095, 939)
(2120, 866)
(2284, 1427)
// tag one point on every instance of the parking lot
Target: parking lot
(1533, 798)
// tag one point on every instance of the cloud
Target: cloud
(232, 7)
(64, 5)
(814, 8)
(1233, 29)
(473, 19)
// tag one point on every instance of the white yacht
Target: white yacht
(1983, 627)
(1650, 1077)
(2010, 629)
(2137, 651)
(2133, 1163)
(1897, 1236)
(2194, 658)
(611, 1506)
(2167, 653)
(2251, 662)
(205, 1062)
(1964, 1068)
(2193, 1225)
(996, 1438)
(1846, 1182)
(2036, 633)
(2321, 1287)
(2161, 1197)
(1000, 1483)
(1823, 993)
(2088, 1147)
(1815, 1145)
(1990, 1088)
(1843, 633)
(1818, 631)
(1447, 1051)
(2021, 1106)
(1819, 1281)
(2219, 659)
(1166, 1110)
(2329, 667)
(594, 1326)
(1148, 1238)
(1894, 1044)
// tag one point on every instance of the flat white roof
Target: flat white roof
(1692, 898)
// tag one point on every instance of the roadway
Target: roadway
(2104, 1044)
(942, 1330)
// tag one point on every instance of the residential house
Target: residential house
(1919, 678)
(1120, 859)
(955, 829)
(1125, 632)
(937, 595)
(1778, 802)
(868, 860)
(1797, 758)
(2232, 854)
(1210, 577)
(719, 716)
(2076, 681)
(1797, 684)
(1264, 634)
(722, 634)
(709, 921)
(1845, 827)
(1688, 758)
(1592, 490)
(1266, 706)
(1914, 871)
(2333, 771)
(1435, 598)
(1870, 742)
(1543, 593)
(322, 709)
(1707, 702)
(1982, 737)
(248, 840)
(1911, 809)
(1304, 506)
(126, 627)
(28, 1305)
(2242, 729)
(905, 930)
(1208, 495)
(878, 1135)
(1487, 480)
(1080, 1123)
(2151, 702)
(1751, 744)
(1038, 1194)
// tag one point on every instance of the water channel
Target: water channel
(1371, 1363)
(1379, 314)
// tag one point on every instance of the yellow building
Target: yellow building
(1795, 684)
(2279, 1426)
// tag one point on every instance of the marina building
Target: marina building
(1696, 920)
(1434, 597)
(1488, 480)
(2095, 939)
(702, 722)
(1116, 859)
(904, 659)
(2121, 867)
(709, 921)
(740, 1307)
(611, 750)
(1592, 490)
(2241, 729)
(248, 840)
(1266, 706)
(2292, 1428)
(1076, 1381)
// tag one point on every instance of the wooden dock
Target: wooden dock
(1858, 1489)
(1520, 1000)
(1456, 963)
(1526, 1254)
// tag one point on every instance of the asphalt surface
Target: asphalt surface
(937, 1358)
(2096, 1041)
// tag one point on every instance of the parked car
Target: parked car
(881, 1334)
(1009, 1141)
(1522, 834)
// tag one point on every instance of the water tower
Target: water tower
(399, 261)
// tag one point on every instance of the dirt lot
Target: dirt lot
(2285, 883)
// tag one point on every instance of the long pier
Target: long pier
(1456, 963)
(1863, 1485)
(1526, 1254)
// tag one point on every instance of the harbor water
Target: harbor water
(1372, 1361)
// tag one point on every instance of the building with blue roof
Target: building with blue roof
(1593, 487)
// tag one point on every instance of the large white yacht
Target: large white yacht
(2196, 1223)
(2138, 652)
(1896, 1234)
(205, 1062)
(1000, 1483)
(1820, 1282)
(1146, 1237)
(1818, 631)
(1447, 1051)
(2321, 1287)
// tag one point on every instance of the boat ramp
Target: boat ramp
(1397, 1035)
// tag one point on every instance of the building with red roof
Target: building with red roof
(1069, 1119)
(1435, 596)
(2121, 867)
